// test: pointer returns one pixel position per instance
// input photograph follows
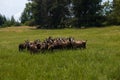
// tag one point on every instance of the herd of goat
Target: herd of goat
(52, 43)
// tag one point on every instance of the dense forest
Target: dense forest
(67, 14)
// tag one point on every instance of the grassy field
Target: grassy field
(100, 61)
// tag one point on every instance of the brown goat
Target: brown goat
(33, 48)
(51, 44)
(79, 44)
(84, 44)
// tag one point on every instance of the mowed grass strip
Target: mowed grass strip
(100, 61)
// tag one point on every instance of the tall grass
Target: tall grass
(100, 61)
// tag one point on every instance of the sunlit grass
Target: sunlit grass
(100, 61)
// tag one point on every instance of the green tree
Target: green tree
(12, 21)
(27, 15)
(2, 19)
(107, 8)
(39, 11)
(87, 12)
(50, 13)
(5, 22)
(115, 15)
(59, 12)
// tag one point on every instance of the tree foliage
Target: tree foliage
(5, 22)
(67, 13)
(2, 19)
(78, 13)
(27, 15)
(87, 12)
(107, 9)
(59, 12)
(115, 15)
(50, 13)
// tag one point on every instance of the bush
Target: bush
(30, 23)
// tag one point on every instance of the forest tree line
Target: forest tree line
(67, 13)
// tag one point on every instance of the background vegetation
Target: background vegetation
(67, 13)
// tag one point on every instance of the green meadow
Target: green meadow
(100, 61)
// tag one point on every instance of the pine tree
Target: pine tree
(2, 19)
(115, 15)
(27, 13)
(50, 13)
(87, 12)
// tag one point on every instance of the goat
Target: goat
(79, 44)
(22, 46)
(33, 48)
